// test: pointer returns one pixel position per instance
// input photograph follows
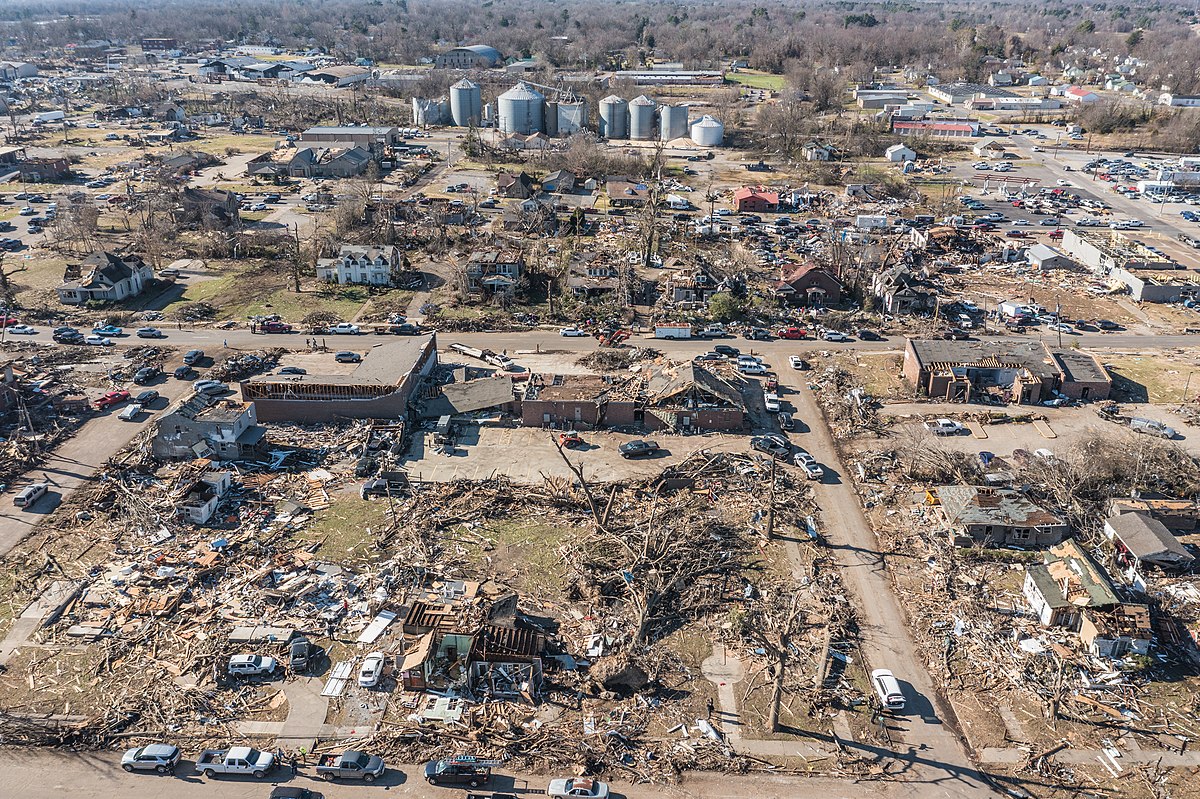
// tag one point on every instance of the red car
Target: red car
(792, 333)
(9, 321)
(111, 398)
(276, 327)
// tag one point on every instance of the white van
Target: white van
(887, 688)
(30, 495)
(131, 413)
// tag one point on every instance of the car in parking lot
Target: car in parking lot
(345, 356)
(111, 398)
(944, 427)
(209, 387)
(293, 370)
(1060, 327)
(184, 372)
(727, 350)
(193, 357)
(251, 665)
(146, 374)
(797, 362)
(146, 397)
(638, 448)
(771, 402)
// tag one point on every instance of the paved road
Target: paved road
(74, 463)
(36, 774)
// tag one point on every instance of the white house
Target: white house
(1079, 95)
(1037, 80)
(374, 266)
(1179, 100)
(104, 277)
(200, 498)
(898, 153)
(988, 148)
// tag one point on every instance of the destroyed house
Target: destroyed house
(624, 193)
(696, 285)
(201, 496)
(311, 162)
(1177, 515)
(687, 397)
(104, 277)
(493, 271)
(224, 430)
(381, 387)
(900, 290)
(1007, 371)
(996, 517)
(578, 402)
(591, 275)
(208, 207)
(362, 265)
(506, 662)
(1072, 591)
(15, 162)
(1139, 541)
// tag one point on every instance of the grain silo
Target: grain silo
(641, 118)
(466, 103)
(551, 118)
(708, 132)
(520, 109)
(673, 122)
(614, 117)
(572, 116)
(429, 112)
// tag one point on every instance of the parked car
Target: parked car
(792, 333)
(184, 373)
(293, 370)
(111, 398)
(638, 448)
(457, 771)
(955, 334)
(786, 421)
(771, 402)
(834, 335)
(97, 341)
(193, 357)
(22, 330)
(371, 670)
(345, 356)
(150, 332)
(236, 760)
(1152, 427)
(572, 332)
(28, 496)
(887, 688)
(797, 362)
(773, 445)
(944, 427)
(276, 327)
(209, 387)
(351, 765)
(294, 792)
(344, 329)
(752, 368)
(727, 350)
(577, 788)
(107, 330)
(300, 653)
(161, 758)
(251, 665)
(808, 464)
(869, 335)
(146, 397)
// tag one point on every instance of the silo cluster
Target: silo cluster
(521, 109)
(466, 103)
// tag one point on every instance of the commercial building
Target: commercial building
(1024, 372)
(961, 91)
(958, 129)
(689, 397)
(471, 56)
(755, 199)
(381, 387)
(578, 402)
(375, 138)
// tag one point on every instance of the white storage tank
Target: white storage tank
(708, 131)
(572, 117)
(551, 128)
(466, 103)
(641, 118)
(520, 109)
(429, 112)
(673, 122)
(614, 117)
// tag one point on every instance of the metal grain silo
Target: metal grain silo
(429, 112)
(466, 103)
(551, 118)
(673, 122)
(521, 109)
(708, 132)
(641, 118)
(614, 117)
(572, 117)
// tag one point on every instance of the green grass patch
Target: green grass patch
(349, 527)
(527, 546)
(757, 80)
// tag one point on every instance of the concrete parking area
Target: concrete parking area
(526, 455)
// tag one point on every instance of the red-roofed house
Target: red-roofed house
(963, 129)
(750, 199)
(1078, 94)
(808, 285)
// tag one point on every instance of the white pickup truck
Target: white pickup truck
(236, 760)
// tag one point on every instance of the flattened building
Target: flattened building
(381, 387)
(687, 398)
(1009, 371)
(996, 517)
